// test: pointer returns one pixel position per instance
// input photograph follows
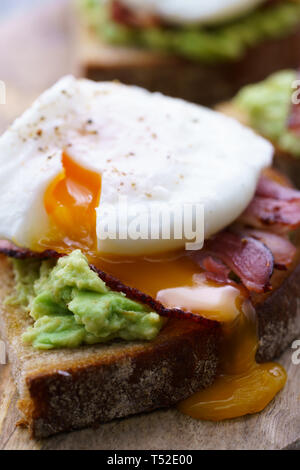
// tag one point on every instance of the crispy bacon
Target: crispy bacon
(135, 294)
(282, 249)
(275, 206)
(246, 257)
(213, 267)
(135, 19)
(294, 118)
(9, 249)
(13, 251)
(269, 188)
(277, 215)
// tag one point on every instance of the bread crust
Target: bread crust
(278, 317)
(172, 368)
(196, 82)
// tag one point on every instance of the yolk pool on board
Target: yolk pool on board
(243, 386)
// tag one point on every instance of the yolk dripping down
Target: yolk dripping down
(243, 386)
(71, 201)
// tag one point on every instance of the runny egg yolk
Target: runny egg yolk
(71, 201)
(242, 386)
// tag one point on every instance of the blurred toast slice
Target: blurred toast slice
(192, 81)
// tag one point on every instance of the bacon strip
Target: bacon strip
(294, 118)
(213, 267)
(135, 19)
(280, 216)
(135, 294)
(247, 257)
(282, 249)
(269, 188)
(275, 206)
(11, 250)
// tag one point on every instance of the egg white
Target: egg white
(194, 11)
(147, 147)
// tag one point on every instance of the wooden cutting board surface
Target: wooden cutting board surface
(35, 50)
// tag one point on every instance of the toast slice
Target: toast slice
(196, 82)
(283, 161)
(66, 390)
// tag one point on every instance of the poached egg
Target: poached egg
(194, 11)
(83, 145)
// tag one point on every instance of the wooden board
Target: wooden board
(35, 50)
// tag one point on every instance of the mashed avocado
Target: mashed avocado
(71, 305)
(215, 44)
(267, 106)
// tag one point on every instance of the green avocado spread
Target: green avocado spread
(71, 306)
(223, 42)
(267, 106)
